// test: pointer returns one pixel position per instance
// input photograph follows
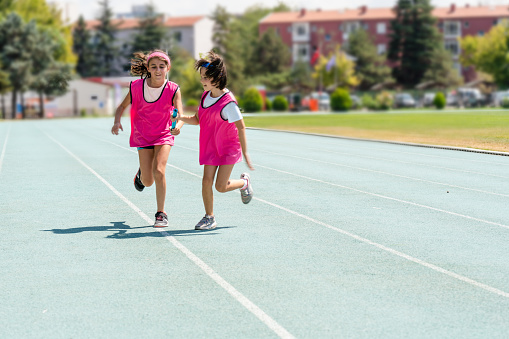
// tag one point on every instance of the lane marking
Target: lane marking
(393, 251)
(386, 197)
(381, 172)
(4, 148)
(244, 301)
(345, 187)
(372, 243)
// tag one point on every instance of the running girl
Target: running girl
(222, 137)
(152, 101)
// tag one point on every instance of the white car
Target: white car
(498, 97)
(323, 100)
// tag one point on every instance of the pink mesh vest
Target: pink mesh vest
(150, 121)
(219, 139)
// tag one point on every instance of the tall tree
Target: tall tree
(413, 38)
(50, 77)
(441, 72)
(16, 42)
(273, 56)
(5, 86)
(370, 67)
(105, 50)
(151, 32)
(489, 53)
(82, 47)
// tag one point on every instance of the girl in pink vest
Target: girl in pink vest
(222, 137)
(152, 101)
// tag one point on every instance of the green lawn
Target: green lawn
(488, 130)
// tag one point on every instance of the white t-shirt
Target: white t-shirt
(151, 94)
(230, 112)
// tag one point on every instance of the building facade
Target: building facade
(305, 31)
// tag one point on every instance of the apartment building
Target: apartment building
(307, 30)
(192, 33)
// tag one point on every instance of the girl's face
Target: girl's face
(206, 82)
(158, 69)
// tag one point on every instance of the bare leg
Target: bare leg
(161, 153)
(223, 181)
(146, 157)
(209, 172)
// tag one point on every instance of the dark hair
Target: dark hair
(139, 64)
(215, 69)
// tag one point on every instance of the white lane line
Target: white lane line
(2, 156)
(345, 187)
(386, 197)
(372, 243)
(393, 251)
(385, 173)
(248, 304)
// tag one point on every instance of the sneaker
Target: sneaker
(247, 193)
(206, 223)
(137, 181)
(161, 220)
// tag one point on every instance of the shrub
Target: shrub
(252, 100)
(384, 100)
(340, 100)
(280, 103)
(369, 102)
(192, 102)
(505, 103)
(439, 100)
(268, 104)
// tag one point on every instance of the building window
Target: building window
(453, 47)
(277, 30)
(481, 33)
(177, 36)
(303, 51)
(381, 48)
(365, 27)
(301, 30)
(327, 37)
(495, 22)
(380, 28)
(451, 28)
(350, 27)
(466, 24)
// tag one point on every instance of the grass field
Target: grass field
(486, 130)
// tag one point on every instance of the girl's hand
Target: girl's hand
(116, 126)
(247, 159)
(175, 131)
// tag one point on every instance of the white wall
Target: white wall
(203, 31)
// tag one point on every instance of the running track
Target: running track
(344, 239)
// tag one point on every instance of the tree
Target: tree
(370, 67)
(105, 51)
(300, 76)
(272, 54)
(50, 77)
(5, 86)
(489, 53)
(335, 69)
(441, 71)
(413, 39)
(17, 40)
(82, 47)
(151, 32)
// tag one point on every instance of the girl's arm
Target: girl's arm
(191, 119)
(118, 114)
(243, 142)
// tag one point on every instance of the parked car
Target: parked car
(428, 99)
(323, 100)
(498, 97)
(451, 100)
(470, 97)
(404, 100)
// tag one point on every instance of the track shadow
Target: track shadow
(123, 231)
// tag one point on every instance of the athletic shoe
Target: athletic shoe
(137, 181)
(206, 223)
(247, 193)
(161, 220)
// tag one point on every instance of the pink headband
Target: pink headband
(160, 55)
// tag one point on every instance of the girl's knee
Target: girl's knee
(159, 173)
(222, 187)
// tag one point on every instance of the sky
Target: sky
(90, 8)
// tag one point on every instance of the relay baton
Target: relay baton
(174, 115)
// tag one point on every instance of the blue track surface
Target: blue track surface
(344, 239)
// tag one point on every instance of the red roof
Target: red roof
(365, 13)
(132, 23)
